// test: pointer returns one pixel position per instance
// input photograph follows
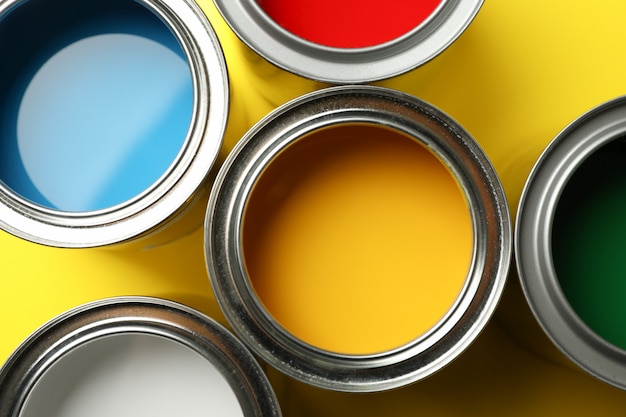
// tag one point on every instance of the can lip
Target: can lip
(175, 190)
(348, 65)
(136, 315)
(532, 243)
(454, 146)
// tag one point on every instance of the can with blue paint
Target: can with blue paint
(111, 117)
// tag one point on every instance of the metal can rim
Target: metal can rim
(408, 363)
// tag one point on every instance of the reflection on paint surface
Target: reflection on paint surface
(99, 122)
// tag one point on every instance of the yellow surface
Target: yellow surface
(358, 239)
(520, 73)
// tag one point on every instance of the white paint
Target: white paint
(132, 375)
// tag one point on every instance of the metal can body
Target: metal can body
(88, 350)
(332, 368)
(49, 147)
(565, 244)
(339, 65)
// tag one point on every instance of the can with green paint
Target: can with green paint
(571, 241)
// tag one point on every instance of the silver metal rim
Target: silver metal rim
(138, 315)
(535, 216)
(176, 188)
(345, 66)
(423, 123)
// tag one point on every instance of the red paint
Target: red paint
(349, 23)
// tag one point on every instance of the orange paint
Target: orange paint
(357, 239)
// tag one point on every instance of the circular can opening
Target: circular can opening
(130, 374)
(96, 102)
(569, 241)
(588, 241)
(129, 356)
(357, 239)
(349, 24)
(357, 230)
(106, 132)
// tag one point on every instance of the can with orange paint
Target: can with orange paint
(357, 239)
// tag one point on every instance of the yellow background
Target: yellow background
(520, 73)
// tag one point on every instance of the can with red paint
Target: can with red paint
(351, 41)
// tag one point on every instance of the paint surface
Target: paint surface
(95, 111)
(357, 239)
(589, 242)
(349, 23)
(132, 375)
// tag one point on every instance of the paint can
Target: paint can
(569, 241)
(348, 42)
(127, 355)
(113, 115)
(357, 239)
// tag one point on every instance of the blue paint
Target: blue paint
(94, 107)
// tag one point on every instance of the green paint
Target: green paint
(589, 242)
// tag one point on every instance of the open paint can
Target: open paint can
(112, 115)
(357, 239)
(570, 241)
(348, 41)
(131, 356)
